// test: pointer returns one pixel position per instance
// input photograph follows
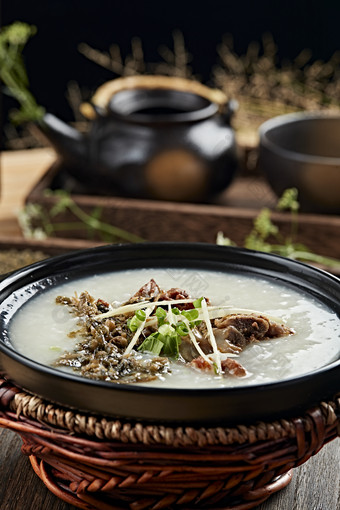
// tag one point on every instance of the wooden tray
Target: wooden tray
(51, 246)
(233, 214)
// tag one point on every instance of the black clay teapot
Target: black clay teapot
(151, 137)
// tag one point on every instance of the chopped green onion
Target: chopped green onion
(152, 344)
(182, 329)
(134, 323)
(165, 341)
(136, 320)
(175, 310)
(161, 315)
(166, 330)
(140, 314)
(198, 302)
(171, 346)
(191, 315)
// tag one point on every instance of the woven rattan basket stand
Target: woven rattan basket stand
(94, 462)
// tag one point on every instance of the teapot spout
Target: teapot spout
(67, 141)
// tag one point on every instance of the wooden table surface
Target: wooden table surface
(315, 485)
(20, 170)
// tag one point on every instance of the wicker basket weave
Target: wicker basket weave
(93, 462)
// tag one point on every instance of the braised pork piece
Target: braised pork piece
(136, 341)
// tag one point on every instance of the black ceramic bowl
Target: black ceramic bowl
(302, 150)
(191, 406)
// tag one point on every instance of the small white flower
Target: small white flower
(38, 234)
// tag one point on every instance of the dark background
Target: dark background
(52, 57)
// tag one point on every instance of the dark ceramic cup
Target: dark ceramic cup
(302, 150)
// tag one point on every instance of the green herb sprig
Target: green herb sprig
(264, 232)
(37, 222)
(13, 39)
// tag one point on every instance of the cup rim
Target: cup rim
(292, 118)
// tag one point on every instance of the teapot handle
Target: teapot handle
(104, 93)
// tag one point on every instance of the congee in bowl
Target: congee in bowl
(102, 329)
(173, 332)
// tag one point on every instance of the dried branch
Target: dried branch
(258, 75)
(74, 97)
(176, 61)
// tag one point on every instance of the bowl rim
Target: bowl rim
(31, 273)
(290, 118)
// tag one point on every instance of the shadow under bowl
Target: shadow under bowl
(302, 150)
